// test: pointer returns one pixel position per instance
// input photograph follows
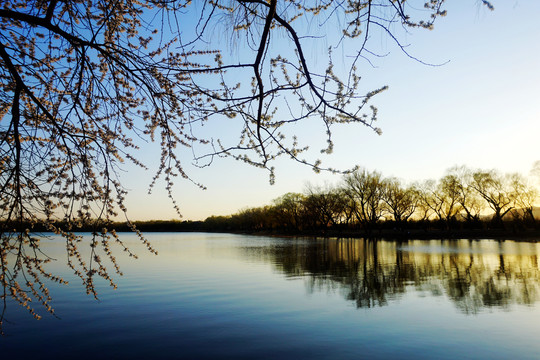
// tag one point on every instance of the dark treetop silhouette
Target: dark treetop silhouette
(81, 78)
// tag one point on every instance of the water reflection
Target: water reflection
(474, 275)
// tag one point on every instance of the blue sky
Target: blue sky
(481, 109)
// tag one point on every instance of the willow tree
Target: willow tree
(498, 191)
(401, 201)
(366, 190)
(81, 79)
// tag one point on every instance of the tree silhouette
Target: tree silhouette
(498, 192)
(366, 191)
(81, 80)
(401, 201)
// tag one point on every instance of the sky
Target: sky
(480, 109)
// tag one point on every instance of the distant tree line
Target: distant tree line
(367, 202)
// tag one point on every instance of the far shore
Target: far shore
(532, 235)
(417, 231)
(415, 234)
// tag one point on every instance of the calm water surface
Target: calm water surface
(244, 297)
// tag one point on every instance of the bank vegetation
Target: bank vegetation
(366, 202)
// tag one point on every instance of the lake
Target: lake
(227, 296)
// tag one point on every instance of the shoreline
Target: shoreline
(528, 235)
(421, 233)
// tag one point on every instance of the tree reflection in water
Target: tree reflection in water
(473, 274)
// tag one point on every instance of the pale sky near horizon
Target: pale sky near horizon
(481, 109)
